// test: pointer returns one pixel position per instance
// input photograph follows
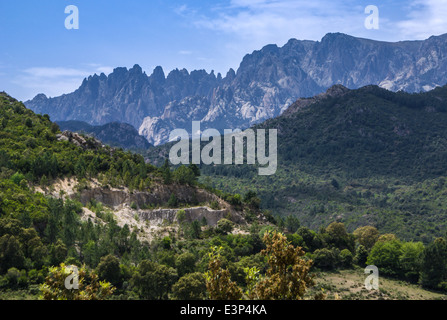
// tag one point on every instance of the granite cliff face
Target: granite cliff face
(266, 83)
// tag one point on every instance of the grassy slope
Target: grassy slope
(349, 285)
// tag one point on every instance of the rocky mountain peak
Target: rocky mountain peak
(158, 75)
(41, 98)
(136, 69)
(337, 90)
(266, 83)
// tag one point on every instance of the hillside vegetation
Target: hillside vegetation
(362, 157)
(66, 199)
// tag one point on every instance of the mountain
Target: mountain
(115, 134)
(367, 156)
(367, 131)
(265, 84)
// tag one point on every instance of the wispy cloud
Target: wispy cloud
(273, 21)
(55, 81)
(185, 52)
(254, 23)
(42, 72)
(425, 18)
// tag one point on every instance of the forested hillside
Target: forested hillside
(115, 134)
(362, 157)
(60, 205)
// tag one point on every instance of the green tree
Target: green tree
(153, 281)
(11, 254)
(346, 258)
(195, 169)
(366, 236)
(386, 256)
(58, 252)
(172, 202)
(288, 276)
(387, 237)
(218, 280)
(434, 265)
(17, 178)
(411, 260)
(193, 230)
(16, 279)
(292, 223)
(225, 226)
(184, 175)
(181, 216)
(325, 258)
(185, 263)
(191, 286)
(252, 200)
(308, 237)
(166, 243)
(361, 256)
(339, 237)
(90, 253)
(166, 172)
(109, 269)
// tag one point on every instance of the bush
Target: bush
(172, 202)
(17, 178)
(166, 242)
(386, 255)
(109, 269)
(346, 258)
(214, 205)
(225, 226)
(181, 216)
(191, 286)
(184, 175)
(16, 279)
(325, 258)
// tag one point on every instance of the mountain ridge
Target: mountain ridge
(266, 83)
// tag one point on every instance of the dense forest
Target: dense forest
(363, 157)
(42, 235)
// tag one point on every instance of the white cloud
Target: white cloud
(55, 81)
(242, 26)
(271, 21)
(426, 18)
(185, 52)
(53, 72)
(252, 24)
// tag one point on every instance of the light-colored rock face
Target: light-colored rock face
(160, 216)
(154, 131)
(119, 199)
(127, 207)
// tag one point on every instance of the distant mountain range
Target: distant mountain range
(115, 134)
(266, 83)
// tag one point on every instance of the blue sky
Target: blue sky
(39, 55)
